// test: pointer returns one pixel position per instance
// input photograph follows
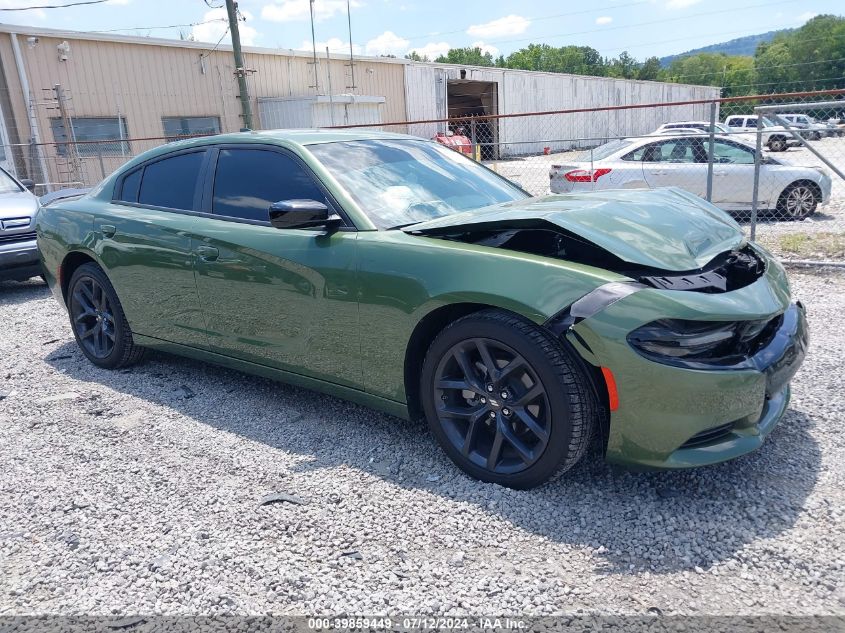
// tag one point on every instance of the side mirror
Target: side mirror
(29, 183)
(301, 214)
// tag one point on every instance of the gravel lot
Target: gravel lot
(139, 492)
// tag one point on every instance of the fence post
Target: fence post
(475, 153)
(710, 152)
(758, 159)
(100, 158)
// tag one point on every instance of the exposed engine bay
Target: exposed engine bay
(726, 272)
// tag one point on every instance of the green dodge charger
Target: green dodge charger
(396, 273)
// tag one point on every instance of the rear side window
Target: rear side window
(130, 187)
(171, 182)
(248, 181)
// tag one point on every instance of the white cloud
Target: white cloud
(604, 19)
(214, 30)
(486, 48)
(681, 4)
(804, 17)
(293, 10)
(433, 50)
(388, 43)
(335, 44)
(508, 25)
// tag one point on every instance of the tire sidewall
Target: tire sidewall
(556, 392)
(120, 334)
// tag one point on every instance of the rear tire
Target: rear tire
(505, 401)
(98, 321)
(798, 201)
(777, 144)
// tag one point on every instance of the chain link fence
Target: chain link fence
(774, 162)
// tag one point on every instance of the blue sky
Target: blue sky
(642, 27)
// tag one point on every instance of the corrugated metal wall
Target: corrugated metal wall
(523, 91)
(143, 82)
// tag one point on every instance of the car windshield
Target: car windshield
(7, 183)
(602, 151)
(401, 182)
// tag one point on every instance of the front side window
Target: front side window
(736, 122)
(248, 181)
(730, 153)
(402, 182)
(171, 182)
(178, 127)
(91, 136)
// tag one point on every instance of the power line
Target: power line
(55, 6)
(153, 28)
(756, 68)
(225, 33)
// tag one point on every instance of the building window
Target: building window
(177, 127)
(108, 130)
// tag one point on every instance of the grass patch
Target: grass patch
(813, 245)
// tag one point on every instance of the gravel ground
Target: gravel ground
(139, 492)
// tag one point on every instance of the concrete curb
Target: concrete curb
(812, 263)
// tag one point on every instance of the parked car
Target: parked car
(812, 129)
(776, 137)
(704, 127)
(397, 273)
(791, 191)
(18, 208)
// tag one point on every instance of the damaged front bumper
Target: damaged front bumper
(670, 416)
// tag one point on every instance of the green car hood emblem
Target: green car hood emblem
(667, 229)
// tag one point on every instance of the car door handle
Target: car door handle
(207, 253)
(107, 230)
(657, 172)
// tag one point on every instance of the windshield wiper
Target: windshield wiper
(402, 226)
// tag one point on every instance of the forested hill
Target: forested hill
(740, 46)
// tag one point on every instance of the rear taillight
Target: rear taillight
(586, 175)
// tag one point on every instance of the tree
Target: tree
(623, 66)
(577, 60)
(649, 70)
(416, 57)
(468, 56)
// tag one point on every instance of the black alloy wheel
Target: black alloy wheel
(504, 399)
(494, 408)
(93, 315)
(98, 321)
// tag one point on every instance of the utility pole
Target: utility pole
(240, 69)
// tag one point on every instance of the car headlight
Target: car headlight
(702, 343)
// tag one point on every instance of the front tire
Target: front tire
(506, 402)
(798, 201)
(98, 321)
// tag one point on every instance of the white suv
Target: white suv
(812, 129)
(777, 138)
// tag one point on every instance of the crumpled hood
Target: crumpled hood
(669, 229)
